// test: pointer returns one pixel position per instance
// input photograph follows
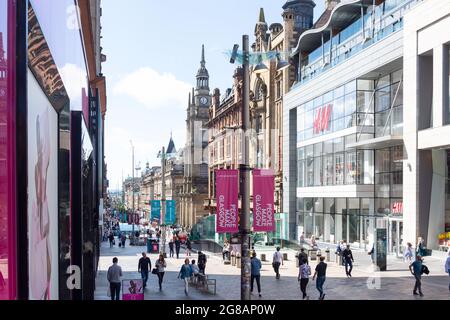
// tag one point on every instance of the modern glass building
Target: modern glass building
(349, 167)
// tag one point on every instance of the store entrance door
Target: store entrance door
(395, 237)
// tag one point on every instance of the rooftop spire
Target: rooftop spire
(203, 62)
(262, 18)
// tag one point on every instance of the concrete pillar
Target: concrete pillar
(439, 92)
(436, 223)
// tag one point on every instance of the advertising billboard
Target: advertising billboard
(42, 194)
(7, 150)
(133, 289)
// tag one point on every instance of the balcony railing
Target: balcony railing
(388, 19)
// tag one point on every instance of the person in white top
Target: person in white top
(277, 261)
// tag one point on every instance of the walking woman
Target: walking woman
(160, 267)
(303, 277)
(185, 274)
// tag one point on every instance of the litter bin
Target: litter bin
(338, 259)
(155, 246)
(313, 254)
(285, 257)
(233, 259)
(263, 257)
(238, 260)
(297, 262)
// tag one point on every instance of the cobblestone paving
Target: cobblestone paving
(394, 284)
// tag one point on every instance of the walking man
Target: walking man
(143, 267)
(277, 261)
(416, 270)
(320, 272)
(113, 276)
(111, 239)
(256, 273)
(177, 247)
(348, 260)
(123, 239)
(303, 277)
(171, 248)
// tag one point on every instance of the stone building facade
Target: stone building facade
(195, 180)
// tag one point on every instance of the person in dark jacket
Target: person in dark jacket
(188, 247)
(201, 262)
(111, 240)
(348, 260)
(171, 248)
(177, 247)
(143, 267)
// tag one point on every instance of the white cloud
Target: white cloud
(154, 90)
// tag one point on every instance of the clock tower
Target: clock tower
(202, 95)
(195, 155)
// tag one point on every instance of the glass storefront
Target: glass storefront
(329, 163)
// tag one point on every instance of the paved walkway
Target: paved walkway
(394, 284)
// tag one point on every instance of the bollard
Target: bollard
(327, 252)
(233, 259)
(297, 261)
(263, 257)
(238, 260)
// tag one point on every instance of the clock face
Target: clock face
(203, 100)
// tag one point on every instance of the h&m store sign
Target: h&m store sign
(322, 119)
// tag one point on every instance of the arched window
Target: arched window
(259, 90)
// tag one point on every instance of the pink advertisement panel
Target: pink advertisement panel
(132, 289)
(263, 200)
(7, 151)
(227, 201)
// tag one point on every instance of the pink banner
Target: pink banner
(263, 200)
(227, 201)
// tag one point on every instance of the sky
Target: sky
(153, 50)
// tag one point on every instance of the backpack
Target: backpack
(425, 269)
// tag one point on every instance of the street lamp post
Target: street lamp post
(132, 184)
(244, 173)
(163, 201)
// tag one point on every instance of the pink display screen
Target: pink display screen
(7, 151)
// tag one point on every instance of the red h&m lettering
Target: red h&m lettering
(322, 120)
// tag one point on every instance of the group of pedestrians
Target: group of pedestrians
(176, 244)
(122, 238)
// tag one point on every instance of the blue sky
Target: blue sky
(153, 49)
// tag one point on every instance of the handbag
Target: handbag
(155, 271)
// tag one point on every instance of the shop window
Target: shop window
(339, 108)
(339, 92)
(328, 170)
(301, 174)
(350, 87)
(318, 205)
(350, 104)
(350, 168)
(339, 168)
(310, 172)
(318, 171)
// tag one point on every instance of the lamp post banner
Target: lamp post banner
(263, 200)
(156, 210)
(170, 212)
(227, 201)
